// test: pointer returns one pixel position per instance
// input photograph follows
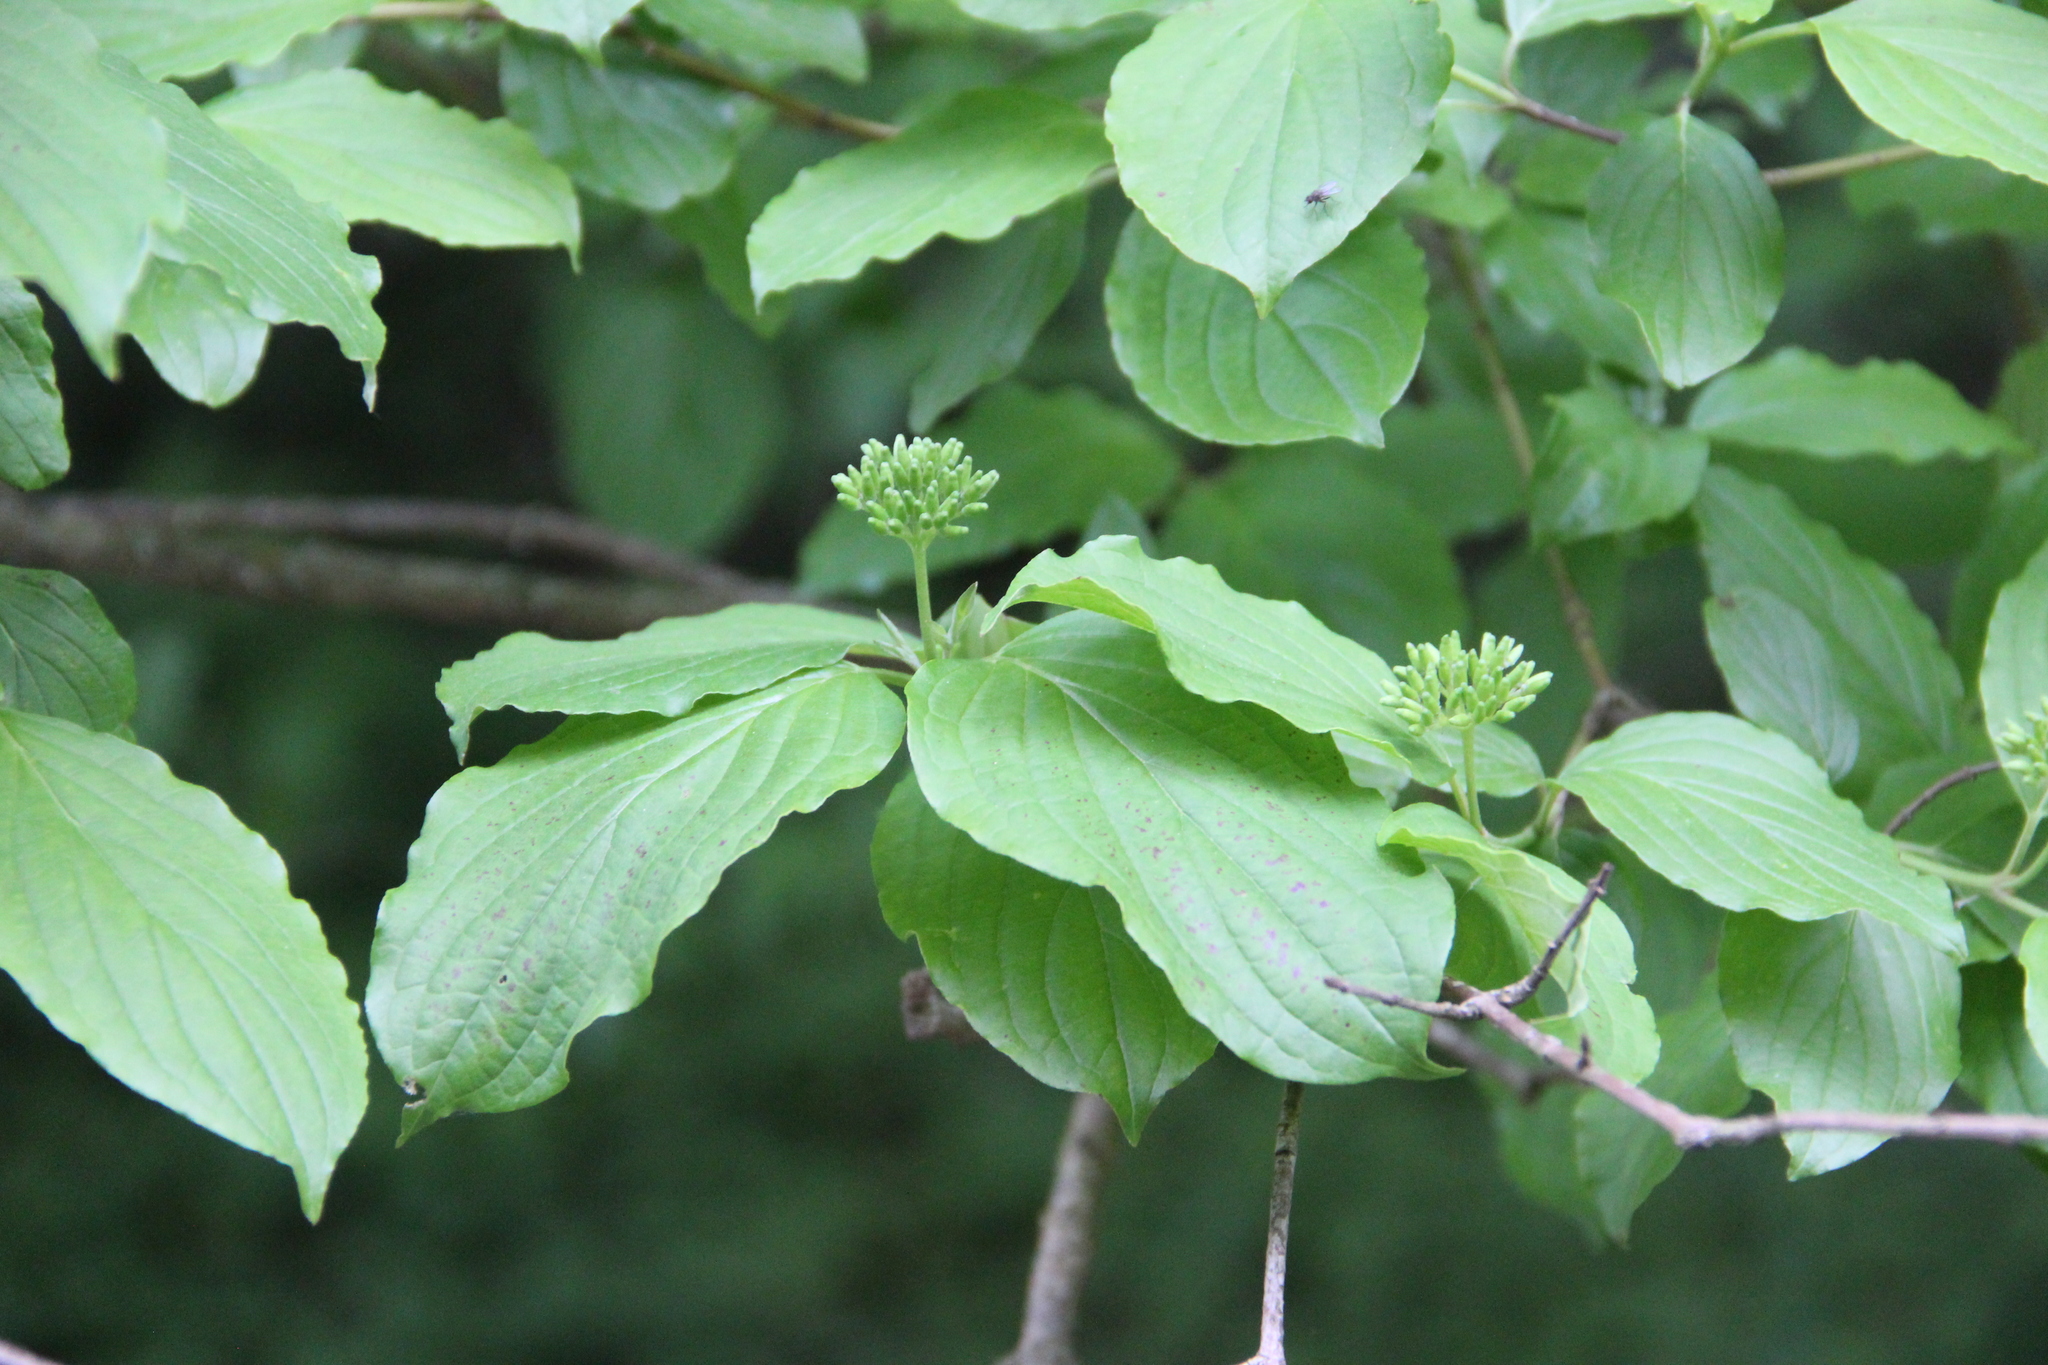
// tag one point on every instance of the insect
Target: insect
(1322, 194)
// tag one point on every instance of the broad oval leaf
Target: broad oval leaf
(1233, 114)
(178, 38)
(1803, 402)
(1685, 233)
(2002, 1070)
(200, 338)
(1781, 675)
(2014, 681)
(664, 669)
(1246, 863)
(582, 22)
(1227, 645)
(778, 36)
(1745, 819)
(1905, 693)
(1950, 196)
(157, 931)
(33, 451)
(643, 137)
(1529, 20)
(541, 887)
(1543, 263)
(59, 655)
(83, 179)
(1964, 77)
(376, 154)
(1885, 1002)
(1042, 968)
(1311, 526)
(1060, 454)
(1603, 469)
(2016, 528)
(968, 169)
(284, 259)
(1534, 899)
(1335, 353)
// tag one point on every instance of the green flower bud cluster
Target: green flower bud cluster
(1448, 684)
(917, 491)
(2024, 745)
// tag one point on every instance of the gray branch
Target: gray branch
(1279, 1219)
(1066, 1236)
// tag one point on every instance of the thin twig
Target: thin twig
(1578, 616)
(1066, 1236)
(127, 539)
(927, 1014)
(1515, 102)
(796, 109)
(1785, 177)
(1512, 994)
(1279, 1215)
(1921, 802)
(13, 1355)
(1524, 1082)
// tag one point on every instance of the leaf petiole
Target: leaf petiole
(1803, 29)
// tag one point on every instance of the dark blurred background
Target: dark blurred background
(754, 1165)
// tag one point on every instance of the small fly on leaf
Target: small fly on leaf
(1321, 195)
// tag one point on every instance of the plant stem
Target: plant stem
(1469, 798)
(1279, 1214)
(1066, 1239)
(1786, 177)
(1920, 802)
(1578, 617)
(1967, 878)
(1713, 47)
(927, 628)
(1514, 102)
(1803, 29)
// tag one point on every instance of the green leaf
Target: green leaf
(1623, 1156)
(1223, 644)
(1771, 82)
(1334, 354)
(1060, 454)
(968, 169)
(1310, 525)
(715, 226)
(343, 139)
(59, 655)
(1745, 819)
(640, 136)
(670, 412)
(664, 669)
(2001, 1069)
(1849, 1013)
(1543, 263)
(200, 338)
(1503, 763)
(541, 888)
(1904, 691)
(1245, 861)
(1482, 46)
(1951, 197)
(1050, 14)
(775, 36)
(1534, 899)
(1781, 675)
(1452, 460)
(2033, 959)
(990, 311)
(1529, 20)
(33, 451)
(179, 38)
(83, 180)
(157, 931)
(582, 22)
(1603, 469)
(283, 259)
(1964, 77)
(2016, 527)
(1230, 115)
(2014, 680)
(1042, 968)
(1686, 234)
(1803, 402)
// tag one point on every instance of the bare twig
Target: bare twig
(135, 539)
(1510, 995)
(1279, 1215)
(1578, 616)
(927, 1014)
(1066, 1236)
(1921, 802)
(795, 109)
(11, 1354)
(1524, 1082)
(1786, 177)
(1515, 102)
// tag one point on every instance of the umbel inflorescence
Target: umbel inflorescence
(916, 491)
(1448, 684)
(2024, 745)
